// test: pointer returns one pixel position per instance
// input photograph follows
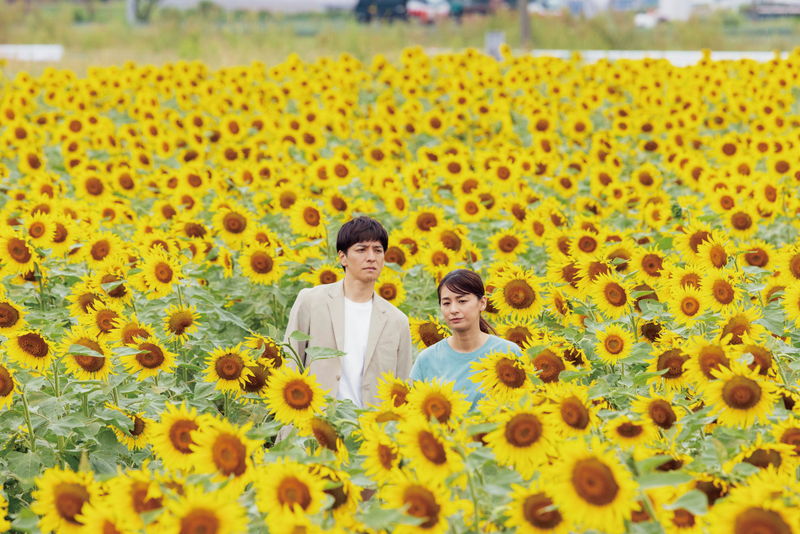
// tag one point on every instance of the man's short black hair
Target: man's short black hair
(361, 229)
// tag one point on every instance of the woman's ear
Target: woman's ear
(483, 303)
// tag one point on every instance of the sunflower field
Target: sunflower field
(636, 224)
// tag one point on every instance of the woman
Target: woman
(461, 300)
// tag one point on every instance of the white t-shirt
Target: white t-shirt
(356, 331)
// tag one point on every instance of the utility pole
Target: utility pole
(524, 25)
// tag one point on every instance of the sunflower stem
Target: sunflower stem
(27, 412)
(38, 276)
(634, 327)
(475, 515)
(115, 395)
(85, 404)
(651, 511)
(227, 406)
(180, 295)
(56, 386)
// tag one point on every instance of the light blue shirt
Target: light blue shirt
(442, 362)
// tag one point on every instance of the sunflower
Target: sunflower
(507, 245)
(59, 499)
(787, 264)
(103, 319)
(426, 332)
(428, 450)
(29, 349)
(776, 457)
(788, 432)
(523, 439)
(686, 304)
(713, 254)
(570, 410)
(659, 409)
(83, 297)
(197, 510)
(85, 355)
(612, 296)
(503, 376)
(344, 493)
(326, 273)
(381, 455)
(101, 247)
(159, 273)
(17, 255)
(294, 396)
(740, 397)
(151, 360)
(649, 264)
(222, 449)
(791, 303)
(134, 493)
(758, 253)
(630, 432)
(532, 511)
(591, 483)
(228, 368)
(704, 358)
(517, 294)
(429, 502)
(180, 321)
(8, 384)
(392, 391)
(744, 512)
(138, 435)
(390, 287)
(614, 343)
(307, 219)
(232, 221)
(326, 436)
(172, 437)
(260, 266)
(288, 488)
(668, 359)
(102, 517)
(437, 400)
(719, 291)
(270, 352)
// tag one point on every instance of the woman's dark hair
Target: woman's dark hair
(465, 282)
(358, 230)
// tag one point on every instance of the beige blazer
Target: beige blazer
(319, 312)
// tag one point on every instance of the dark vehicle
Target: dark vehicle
(390, 10)
(469, 7)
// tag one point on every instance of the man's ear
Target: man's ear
(342, 258)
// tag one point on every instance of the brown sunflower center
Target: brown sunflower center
(235, 223)
(325, 434)
(69, 499)
(429, 333)
(662, 414)
(697, 239)
(673, 361)
(763, 458)
(629, 430)
(163, 272)
(757, 520)
(549, 366)
(690, 306)
(100, 249)
(179, 322)
(180, 435)
(757, 257)
(18, 250)
(229, 366)
(422, 504)
(141, 503)
(574, 413)
(388, 291)
(292, 491)
(90, 364)
(450, 240)
(298, 395)
(256, 381)
(615, 294)
(311, 216)
(426, 221)
(386, 456)
(431, 448)
(437, 405)
(741, 393)
(200, 521)
(519, 294)
(523, 430)
(229, 455)
(538, 510)
(790, 436)
(587, 244)
(510, 373)
(6, 382)
(119, 290)
(151, 356)
(741, 220)
(33, 344)
(710, 358)
(9, 315)
(261, 262)
(106, 320)
(37, 229)
(594, 482)
(398, 394)
(722, 291)
(614, 344)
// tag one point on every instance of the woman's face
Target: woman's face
(461, 312)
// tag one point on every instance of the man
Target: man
(349, 316)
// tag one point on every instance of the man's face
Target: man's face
(363, 261)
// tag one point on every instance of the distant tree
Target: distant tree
(140, 11)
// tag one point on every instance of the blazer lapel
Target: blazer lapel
(377, 321)
(336, 312)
